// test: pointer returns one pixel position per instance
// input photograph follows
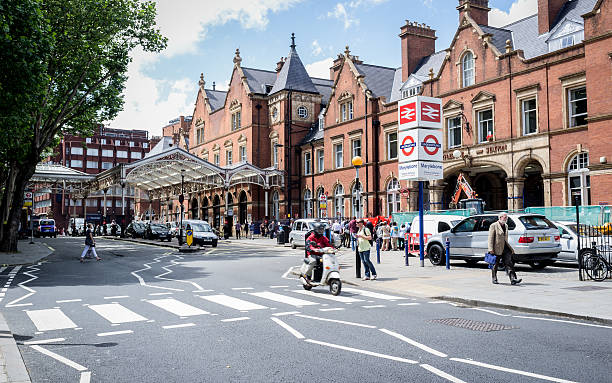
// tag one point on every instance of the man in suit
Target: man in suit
(499, 246)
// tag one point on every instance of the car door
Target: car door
(569, 244)
(299, 235)
(480, 237)
(461, 237)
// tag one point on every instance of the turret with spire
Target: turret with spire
(293, 74)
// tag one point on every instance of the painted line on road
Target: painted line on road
(60, 358)
(203, 291)
(373, 306)
(177, 307)
(243, 288)
(335, 321)
(147, 267)
(291, 330)
(115, 333)
(562, 321)
(284, 276)
(365, 352)
(414, 343)
(161, 293)
(179, 325)
(50, 319)
(235, 319)
(68, 300)
(511, 370)
(372, 294)
(283, 299)
(231, 302)
(278, 286)
(335, 298)
(85, 377)
(442, 374)
(286, 313)
(43, 341)
(115, 313)
(490, 312)
(117, 297)
(31, 292)
(168, 271)
(334, 309)
(408, 304)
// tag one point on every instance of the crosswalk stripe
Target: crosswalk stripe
(337, 298)
(283, 299)
(232, 302)
(116, 313)
(372, 294)
(177, 307)
(50, 319)
(2, 269)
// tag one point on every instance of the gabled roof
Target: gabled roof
(324, 88)
(293, 75)
(258, 79)
(378, 79)
(499, 36)
(313, 135)
(216, 98)
(433, 61)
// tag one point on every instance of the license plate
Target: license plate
(544, 239)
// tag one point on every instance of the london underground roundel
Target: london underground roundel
(431, 145)
(408, 145)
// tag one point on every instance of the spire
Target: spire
(293, 41)
(293, 75)
(201, 83)
(237, 58)
(347, 51)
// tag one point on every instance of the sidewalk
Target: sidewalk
(12, 367)
(28, 254)
(554, 290)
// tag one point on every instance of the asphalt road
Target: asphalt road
(235, 314)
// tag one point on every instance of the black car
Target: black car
(157, 231)
(136, 230)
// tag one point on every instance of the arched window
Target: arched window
(339, 201)
(393, 196)
(308, 204)
(275, 205)
(578, 180)
(357, 201)
(467, 69)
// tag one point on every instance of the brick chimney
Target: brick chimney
(418, 41)
(279, 65)
(547, 13)
(477, 9)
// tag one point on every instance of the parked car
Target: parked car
(136, 229)
(434, 224)
(173, 228)
(157, 231)
(79, 224)
(569, 241)
(535, 240)
(45, 228)
(109, 229)
(202, 233)
(297, 236)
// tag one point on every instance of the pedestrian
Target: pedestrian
(394, 236)
(402, 237)
(246, 230)
(499, 246)
(252, 229)
(353, 230)
(336, 227)
(364, 236)
(386, 236)
(238, 229)
(90, 244)
(272, 229)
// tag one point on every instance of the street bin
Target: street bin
(280, 236)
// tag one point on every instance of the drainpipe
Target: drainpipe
(367, 162)
(312, 178)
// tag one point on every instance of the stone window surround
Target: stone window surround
(344, 98)
(524, 94)
(569, 82)
(308, 170)
(387, 131)
(451, 110)
(480, 106)
(459, 65)
(335, 142)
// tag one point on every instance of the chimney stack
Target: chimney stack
(477, 9)
(418, 41)
(279, 64)
(547, 14)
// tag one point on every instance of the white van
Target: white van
(435, 224)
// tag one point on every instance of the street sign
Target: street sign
(189, 237)
(420, 171)
(419, 112)
(407, 144)
(27, 199)
(420, 145)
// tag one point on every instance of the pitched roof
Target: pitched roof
(258, 79)
(433, 61)
(378, 79)
(216, 98)
(499, 36)
(313, 135)
(324, 88)
(293, 75)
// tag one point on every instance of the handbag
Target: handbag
(490, 259)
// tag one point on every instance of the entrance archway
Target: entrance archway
(487, 181)
(217, 212)
(204, 214)
(194, 209)
(242, 207)
(533, 189)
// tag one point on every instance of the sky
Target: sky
(204, 34)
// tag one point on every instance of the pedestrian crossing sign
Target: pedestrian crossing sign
(189, 237)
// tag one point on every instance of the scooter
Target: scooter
(325, 273)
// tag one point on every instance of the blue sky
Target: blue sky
(204, 34)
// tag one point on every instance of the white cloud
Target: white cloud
(320, 69)
(339, 12)
(316, 48)
(345, 12)
(518, 10)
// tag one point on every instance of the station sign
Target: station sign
(420, 145)
(419, 112)
(28, 198)
(420, 171)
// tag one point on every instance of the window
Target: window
(136, 155)
(485, 125)
(454, 132)
(275, 153)
(530, 124)
(393, 197)
(103, 141)
(200, 134)
(467, 225)
(117, 142)
(107, 152)
(347, 110)
(579, 180)
(131, 144)
(308, 203)
(274, 113)
(356, 147)
(577, 99)
(467, 69)
(228, 157)
(145, 145)
(76, 164)
(88, 140)
(92, 164)
(76, 150)
(567, 41)
(322, 120)
(320, 160)
(93, 152)
(392, 146)
(339, 201)
(414, 91)
(216, 158)
(236, 120)
(118, 203)
(243, 153)
(107, 165)
(338, 163)
(302, 112)
(307, 163)
(122, 154)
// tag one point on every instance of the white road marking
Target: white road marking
(50, 319)
(291, 330)
(115, 333)
(231, 302)
(490, 312)
(43, 341)
(68, 300)
(60, 358)
(147, 267)
(518, 372)
(115, 313)
(235, 319)
(563, 321)
(179, 325)
(22, 285)
(278, 287)
(283, 299)
(19, 305)
(437, 302)
(408, 304)
(4, 290)
(203, 291)
(177, 307)
(117, 297)
(337, 298)
(365, 352)
(242, 288)
(442, 374)
(373, 306)
(335, 321)
(372, 294)
(334, 309)
(286, 313)
(285, 276)
(2, 269)
(414, 343)
(85, 377)
(161, 293)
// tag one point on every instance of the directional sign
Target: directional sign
(420, 171)
(189, 237)
(427, 142)
(419, 112)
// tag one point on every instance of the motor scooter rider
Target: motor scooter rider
(314, 243)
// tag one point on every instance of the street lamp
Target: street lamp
(181, 199)
(357, 163)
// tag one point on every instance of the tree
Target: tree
(63, 66)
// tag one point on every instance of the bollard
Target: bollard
(378, 250)
(406, 253)
(447, 253)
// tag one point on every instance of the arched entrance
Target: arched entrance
(242, 207)
(194, 209)
(533, 190)
(229, 214)
(217, 212)
(204, 214)
(487, 181)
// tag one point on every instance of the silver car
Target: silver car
(299, 229)
(535, 240)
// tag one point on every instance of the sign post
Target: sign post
(420, 148)
(189, 237)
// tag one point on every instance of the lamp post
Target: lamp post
(357, 163)
(181, 199)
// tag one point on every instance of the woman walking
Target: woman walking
(90, 244)
(364, 236)
(386, 236)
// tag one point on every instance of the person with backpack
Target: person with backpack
(363, 237)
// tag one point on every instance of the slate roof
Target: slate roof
(293, 75)
(378, 79)
(433, 61)
(258, 79)
(396, 92)
(216, 98)
(313, 135)
(499, 37)
(324, 88)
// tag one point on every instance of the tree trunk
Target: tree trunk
(12, 204)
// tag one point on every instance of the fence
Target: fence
(589, 215)
(594, 249)
(407, 217)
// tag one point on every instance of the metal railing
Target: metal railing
(594, 249)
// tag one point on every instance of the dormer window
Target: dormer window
(413, 91)
(268, 88)
(566, 34)
(322, 120)
(567, 41)
(467, 69)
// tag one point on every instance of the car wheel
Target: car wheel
(214, 244)
(538, 265)
(293, 246)
(471, 262)
(436, 255)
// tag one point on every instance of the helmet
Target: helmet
(318, 228)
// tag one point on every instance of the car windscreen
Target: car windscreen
(454, 222)
(47, 223)
(534, 222)
(200, 227)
